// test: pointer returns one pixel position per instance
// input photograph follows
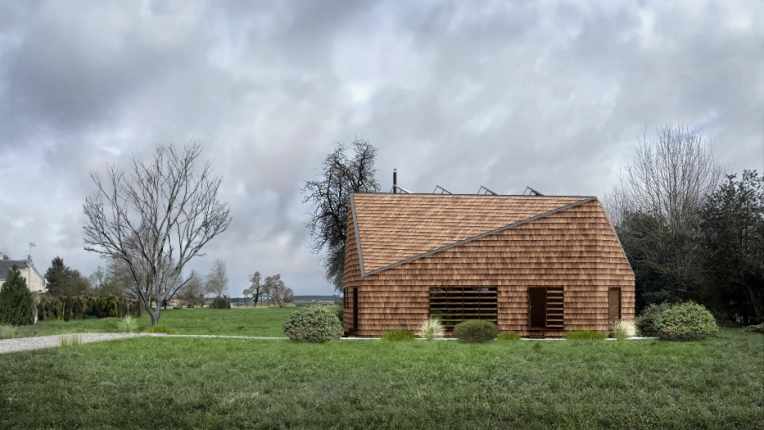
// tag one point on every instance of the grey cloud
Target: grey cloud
(501, 94)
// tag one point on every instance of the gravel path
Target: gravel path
(29, 343)
(41, 342)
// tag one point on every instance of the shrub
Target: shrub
(508, 336)
(623, 329)
(161, 329)
(128, 324)
(585, 335)
(686, 321)
(7, 331)
(221, 303)
(645, 322)
(431, 328)
(15, 299)
(398, 335)
(341, 314)
(476, 331)
(313, 324)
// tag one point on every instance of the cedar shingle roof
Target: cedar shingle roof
(397, 227)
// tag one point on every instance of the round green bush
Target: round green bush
(221, 303)
(686, 321)
(645, 322)
(313, 324)
(476, 331)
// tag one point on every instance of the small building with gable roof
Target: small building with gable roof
(535, 265)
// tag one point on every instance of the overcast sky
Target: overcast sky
(554, 95)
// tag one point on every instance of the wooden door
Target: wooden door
(355, 309)
(613, 305)
(537, 308)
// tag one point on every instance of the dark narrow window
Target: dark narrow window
(355, 308)
(457, 304)
(613, 305)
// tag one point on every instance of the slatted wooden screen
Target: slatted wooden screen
(546, 308)
(455, 305)
(555, 308)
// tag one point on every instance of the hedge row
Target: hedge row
(66, 308)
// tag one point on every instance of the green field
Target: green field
(236, 321)
(239, 383)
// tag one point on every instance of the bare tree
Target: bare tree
(217, 280)
(192, 292)
(156, 219)
(656, 208)
(256, 287)
(329, 195)
(669, 178)
(278, 290)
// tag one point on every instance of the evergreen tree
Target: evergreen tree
(733, 244)
(56, 276)
(15, 299)
(65, 281)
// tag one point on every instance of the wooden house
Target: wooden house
(535, 265)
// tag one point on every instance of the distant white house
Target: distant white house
(35, 281)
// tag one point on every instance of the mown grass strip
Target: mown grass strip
(235, 321)
(236, 383)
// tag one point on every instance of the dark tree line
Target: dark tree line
(689, 233)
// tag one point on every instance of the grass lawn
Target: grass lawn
(236, 321)
(234, 383)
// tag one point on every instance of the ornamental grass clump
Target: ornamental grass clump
(431, 328)
(313, 324)
(72, 340)
(476, 331)
(585, 334)
(686, 321)
(397, 335)
(623, 329)
(7, 331)
(508, 336)
(128, 324)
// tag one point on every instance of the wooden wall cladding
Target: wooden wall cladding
(575, 249)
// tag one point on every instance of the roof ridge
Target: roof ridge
(461, 242)
(475, 195)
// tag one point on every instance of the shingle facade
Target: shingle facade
(415, 248)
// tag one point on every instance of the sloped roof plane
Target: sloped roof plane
(396, 228)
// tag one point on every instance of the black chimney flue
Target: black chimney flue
(395, 181)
